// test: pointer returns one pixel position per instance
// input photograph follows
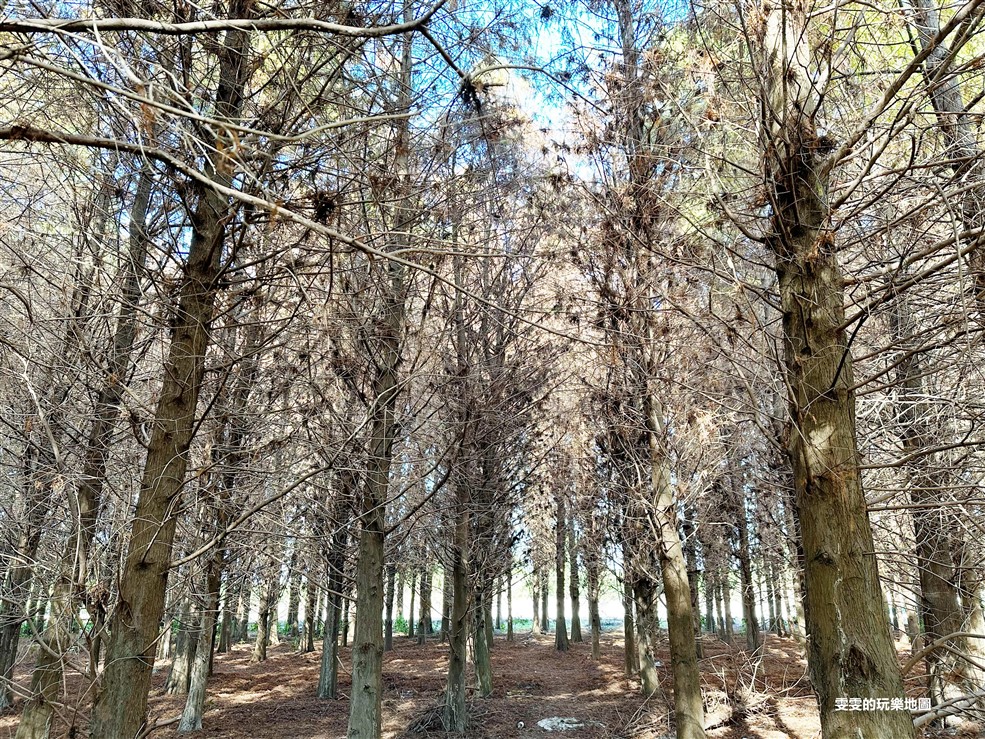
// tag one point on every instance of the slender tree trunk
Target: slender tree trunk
(424, 626)
(545, 624)
(410, 609)
(293, 597)
(400, 594)
(688, 704)
(391, 572)
(561, 630)
(447, 596)
(645, 597)
(499, 604)
(594, 583)
(186, 642)
(483, 664)
(509, 602)
(631, 658)
(574, 592)
(535, 595)
(454, 715)
(191, 717)
(328, 677)
(310, 613)
(748, 587)
(267, 617)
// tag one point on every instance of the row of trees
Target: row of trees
(327, 299)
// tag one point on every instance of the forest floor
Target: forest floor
(276, 699)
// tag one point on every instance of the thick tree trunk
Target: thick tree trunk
(949, 674)
(850, 649)
(121, 703)
(365, 721)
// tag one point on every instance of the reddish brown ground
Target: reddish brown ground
(275, 699)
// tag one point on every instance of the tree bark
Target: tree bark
(121, 703)
(850, 650)
(688, 703)
(391, 572)
(574, 592)
(561, 629)
(454, 716)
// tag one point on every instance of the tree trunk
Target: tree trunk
(483, 664)
(391, 573)
(267, 617)
(535, 595)
(191, 717)
(850, 649)
(645, 597)
(949, 675)
(509, 603)
(400, 594)
(447, 596)
(545, 624)
(186, 642)
(310, 615)
(293, 598)
(594, 587)
(727, 602)
(748, 587)
(454, 716)
(328, 676)
(561, 629)
(499, 604)
(424, 625)
(574, 592)
(688, 704)
(121, 703)
(365, 721)
(410, 608)
(631, 658)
